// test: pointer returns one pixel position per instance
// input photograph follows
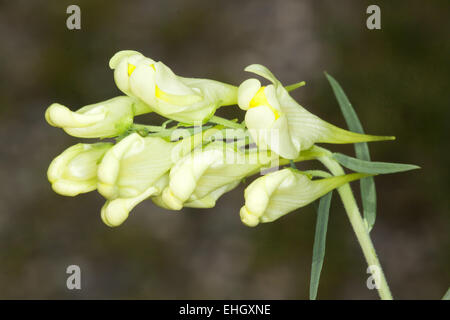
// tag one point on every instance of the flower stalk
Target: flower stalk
(226, 122)
(358, 225)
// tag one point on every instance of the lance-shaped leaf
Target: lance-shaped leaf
(367, 185)
(372, 167)
(278, 193)
(319, 244)
(446, 295)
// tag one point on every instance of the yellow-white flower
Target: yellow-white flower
(75, 170)
(278, 193)
(105, 119)
(188, 100)
(137, 168)
(276, 121)
(133, 165)
(200, 178)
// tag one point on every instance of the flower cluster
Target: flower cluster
(200, 157)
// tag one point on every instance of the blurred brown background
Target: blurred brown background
(396, 77)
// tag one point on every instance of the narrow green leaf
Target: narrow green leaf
(347, 110)
(367, 185)
(369, 200)
(319, 244)
(372, 167)
(446, 295)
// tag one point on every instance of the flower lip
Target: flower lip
(262, 71)
(124, 63)
(246, 92)
(261, 99)
(248, 218)
(119, 56)
(60, 116)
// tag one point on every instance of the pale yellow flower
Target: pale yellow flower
(188, 100)
(75, 170)
(105, 119)
(277, 122)
(136, 168)
(200, 178)
(278, 193)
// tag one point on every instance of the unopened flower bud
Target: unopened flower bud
(105, 119)
(278, 193)
(75, 170)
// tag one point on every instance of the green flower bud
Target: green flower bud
(278, 122)
(278, 193)
(75, 170)
(105, 119)
(187, 100)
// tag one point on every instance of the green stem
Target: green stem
(165, 133)
(305, 155)
(148, 127)
(294, 86)
(360, 229)
(225, 122)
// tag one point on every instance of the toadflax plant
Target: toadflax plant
(195, 157)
